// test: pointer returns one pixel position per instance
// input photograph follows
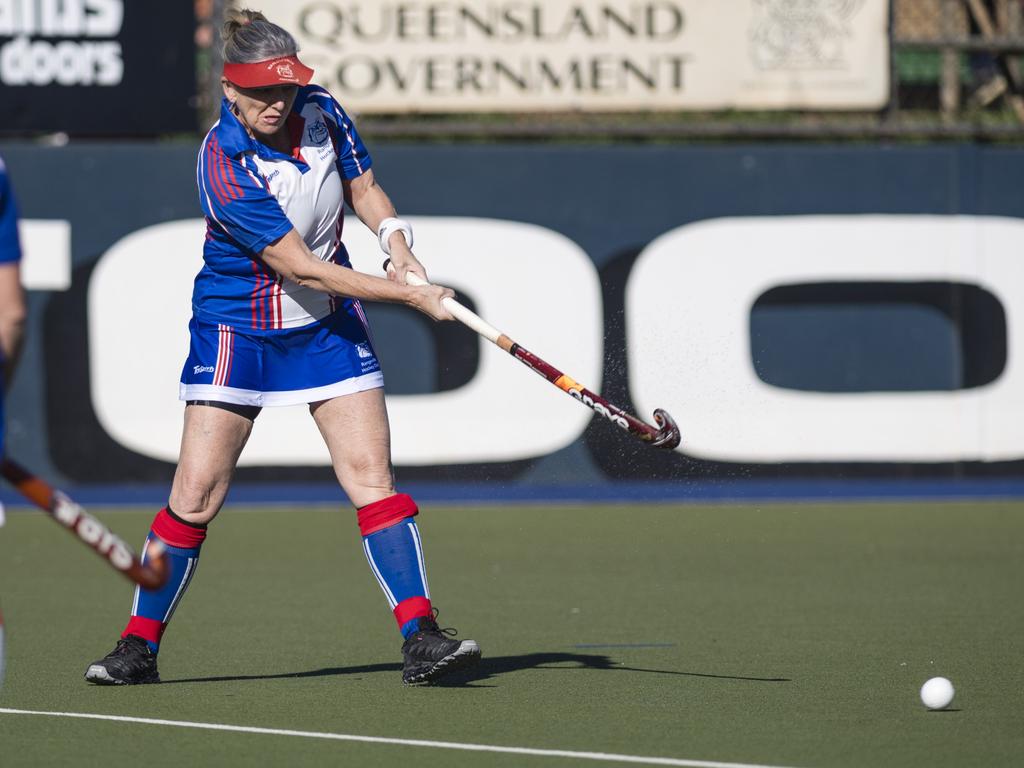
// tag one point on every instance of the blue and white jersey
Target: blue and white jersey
(252, 195)
(10, 247)
(10, 252)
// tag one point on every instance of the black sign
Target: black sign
(97, 67)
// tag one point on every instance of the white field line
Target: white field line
(569, 754)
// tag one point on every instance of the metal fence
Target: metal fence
(956, 67)
(955, 73)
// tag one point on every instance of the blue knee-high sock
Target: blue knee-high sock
(152, 609)
(391, 541)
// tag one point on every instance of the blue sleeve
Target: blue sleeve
(236, 197)
(10, 246)
(353, 156)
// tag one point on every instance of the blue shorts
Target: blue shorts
(327, 358)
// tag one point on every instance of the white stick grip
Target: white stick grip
(465, 316)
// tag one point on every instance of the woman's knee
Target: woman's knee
(196, 499)
(211, 442)
(366, 480)
(370, 472)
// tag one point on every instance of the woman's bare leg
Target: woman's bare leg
(358, 436)
(211, 442)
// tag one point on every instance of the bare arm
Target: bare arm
(12, 317)
(372, 205)
(291, 258)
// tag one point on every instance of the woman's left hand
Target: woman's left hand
(403, 261)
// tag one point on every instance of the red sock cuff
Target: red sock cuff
(386, 512)
(412, 608)
(148, 629)
(171, 529)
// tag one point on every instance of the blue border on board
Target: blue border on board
(696, 492)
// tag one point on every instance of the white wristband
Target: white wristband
(388, 227)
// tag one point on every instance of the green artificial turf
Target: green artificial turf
(780, 635)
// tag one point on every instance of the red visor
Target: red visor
(285, 70)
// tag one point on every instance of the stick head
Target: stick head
(157, 568)
(668, 436)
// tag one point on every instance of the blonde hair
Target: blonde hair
(249, 36)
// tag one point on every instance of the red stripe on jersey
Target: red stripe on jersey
(271, 314)
(252, 301)
(222, 162)
(352, 145)
(280, 320)
(211, 175)
(271, 303)
(216, 158)
(213, 164)
(259, 309)
(362, 316)
(264, 309)
(336, 246)
(268, 296)
(235, 188)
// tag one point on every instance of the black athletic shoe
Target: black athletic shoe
(430, 655)
(130, 663)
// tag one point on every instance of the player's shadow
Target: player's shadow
(560, 662)
(490, 668)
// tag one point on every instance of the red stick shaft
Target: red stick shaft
(577, 391)
(665, 435)
(88, 529)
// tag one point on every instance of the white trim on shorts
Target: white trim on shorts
(283, 397)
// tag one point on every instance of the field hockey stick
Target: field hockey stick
(664, 435)
(90, 531)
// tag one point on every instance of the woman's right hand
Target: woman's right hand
(428, 299)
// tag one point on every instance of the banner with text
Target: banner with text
(821, 313)
(97, 67)
(490, 55)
